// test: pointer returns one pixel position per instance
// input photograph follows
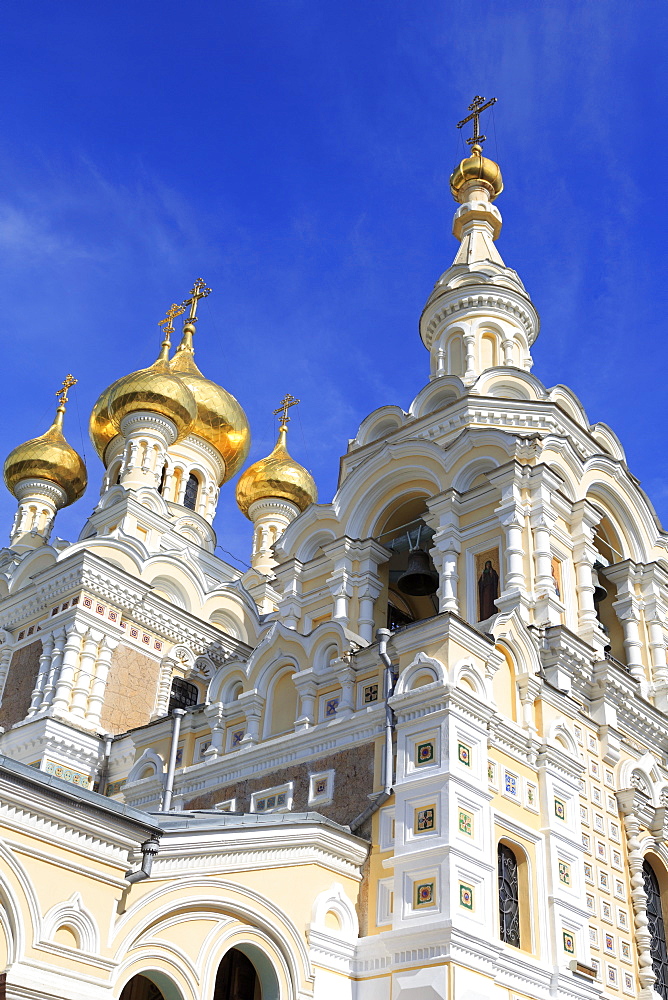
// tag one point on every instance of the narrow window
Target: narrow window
(509, 897)
(190, 495)
(656, 930)
(182, 695)
(163, 480)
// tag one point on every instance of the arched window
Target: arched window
(141, 988)
(163, 480)
(182, 695)
(509, 896)
(190, 495)
(656, 930)
(237, 978)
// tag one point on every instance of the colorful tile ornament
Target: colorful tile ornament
(510, 784)
(569, 942)
(425, 753)
(424, 894)
(331, 705)
(370, 693)
(237, 737)
(464, 754)
(559, 809)
(465, 896)
(424, 819)
(465, 823)
(114, 787)
(67, 774)
(320, 787)
(564, 873)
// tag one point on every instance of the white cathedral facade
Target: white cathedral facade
(417, 752)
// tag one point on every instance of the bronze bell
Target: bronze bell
(419, 579)
(600, 593)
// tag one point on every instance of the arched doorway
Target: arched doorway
(237, 978)
(141, 988)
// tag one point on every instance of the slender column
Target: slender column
(339, 581)
(99, 685)
(164, 687)
(367, 595)
(5, 660)
(44, 666)
(252, 705)
(84, 677)
(643, 938)
(61, 698)
(216, 714)
(507, 347)
(346, 676)
(307, 689)
(469, 352)
(54, 669)
(585, 519)
(446, 546)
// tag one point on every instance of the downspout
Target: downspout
(383, 635)
(177, 715)
(149, 850)
(104, 767)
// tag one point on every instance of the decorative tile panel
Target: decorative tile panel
(465, 896)
(424, 894)
(424, 819)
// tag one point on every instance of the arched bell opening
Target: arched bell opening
(608, 545)
(411, 578)
(237, 978)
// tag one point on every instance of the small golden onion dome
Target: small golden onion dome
(48, 457)
(476, 167)
(220, 420)
(277, 475)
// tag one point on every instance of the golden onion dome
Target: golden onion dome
(277, 475)
(48, 457)
(220, 420)
(477, 167)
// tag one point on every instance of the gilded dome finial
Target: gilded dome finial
(285, 405)
(168, 324)
(476, 168)
(197, 292)
(476, 107)
(68, 382)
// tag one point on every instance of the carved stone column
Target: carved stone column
(68, 669)
(370, 556)
(84, 677)
(252, 704)
(54, 668)
(446, 546)
(654, 583)
(510, 479)
(307, 689)
(584, 521)
(100, 677)
(44, 665)
(339, 581)
(217, 716)
(633, 803)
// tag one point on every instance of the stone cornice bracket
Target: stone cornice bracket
(636, 809)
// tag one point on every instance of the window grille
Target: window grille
(182, 695)
(190, 495)
(656, 930)
(509, 896)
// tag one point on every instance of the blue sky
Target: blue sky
(296, 155)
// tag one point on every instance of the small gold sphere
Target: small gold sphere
(48, 457)
(477, 167)
(156, 390)
(277, 475)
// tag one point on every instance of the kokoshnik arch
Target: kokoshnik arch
(417, 750)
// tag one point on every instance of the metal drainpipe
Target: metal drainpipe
(383, 635)
(177, 715)
(149, 850)
(104, 767)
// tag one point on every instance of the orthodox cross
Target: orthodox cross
(286, 403)
(168, 322)
(476, 108)
(197, 292)
(68, 382)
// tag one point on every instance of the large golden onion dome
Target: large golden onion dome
(477, 167)
(220, 419)
(48, 457)
(277, 475)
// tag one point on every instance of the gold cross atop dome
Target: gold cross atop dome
(476, 107)
(285, 405)
(197, 292)
(168, 322)
(68, 382)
